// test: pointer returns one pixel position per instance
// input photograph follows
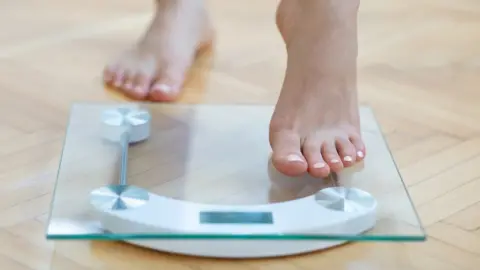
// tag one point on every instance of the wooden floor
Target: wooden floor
(419, 68)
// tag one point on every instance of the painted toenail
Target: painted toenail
(334, 161)
(139, 89)
(319, 165)
(294, 158)
(360, 154)
(348, 159)
(162, 88)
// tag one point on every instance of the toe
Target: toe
(109, 74)
(140, 86)
(118, 78)
(168, 85)
(346, 151)
(127, 85)
(287, 156)
(161, 91)
(330, 155)
(359, 147)
(317, 167)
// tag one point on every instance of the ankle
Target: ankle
(329, 7)
(324, 12)
(163, 4)
(169, 4)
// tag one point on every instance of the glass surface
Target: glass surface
(215, 154)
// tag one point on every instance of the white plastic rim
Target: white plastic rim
(162, 215)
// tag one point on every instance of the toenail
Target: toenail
(360, 154)
(294, 158)
(162, 88)
(139, 89)
(348, 159)
(128, 86)
(319, 165)
(334, 161)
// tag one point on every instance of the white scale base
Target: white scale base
(331, 211)
(305, 215)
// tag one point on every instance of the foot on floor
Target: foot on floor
(156, 67)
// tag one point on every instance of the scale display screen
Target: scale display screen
(221, 217)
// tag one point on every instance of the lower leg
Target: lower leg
(316, 126)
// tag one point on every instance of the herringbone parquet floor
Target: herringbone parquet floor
(419, 68)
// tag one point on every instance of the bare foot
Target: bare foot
(156, 67)
(315, 126)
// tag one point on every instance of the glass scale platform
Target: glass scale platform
(197, 180)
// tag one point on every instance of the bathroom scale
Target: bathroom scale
(197, 179)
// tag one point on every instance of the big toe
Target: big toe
(164, 91)
(168, 86)
(287, 156)
(170, 79)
